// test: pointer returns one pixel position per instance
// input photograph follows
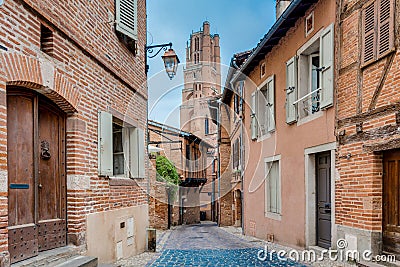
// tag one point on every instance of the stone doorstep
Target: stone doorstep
(50, 258)
(80, 261)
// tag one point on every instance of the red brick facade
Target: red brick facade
(367, 126)
(89, 70)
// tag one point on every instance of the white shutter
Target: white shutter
(271, 104)
(137, 153)
(261, 112)
(141, 153)
(326, 63)
(126, 17)
(291, 90)
(254, 126)
(105, 144)
(126, 147)
(273, 189)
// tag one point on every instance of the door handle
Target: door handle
(40, 186)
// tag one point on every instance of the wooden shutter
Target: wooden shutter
(141, 153)
(137, 153)
(326, 65)
(105, 144)
(254, 126)
(273, 190)
(291, 90)
(271, 104)
(368, 32)
(241, 87)
(261, 111)
(126, 17)
(385, 27)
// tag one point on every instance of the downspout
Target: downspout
(219, 163)
(242, 163)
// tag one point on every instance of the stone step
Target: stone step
(49, 258)
(109, 265)
(80, 261)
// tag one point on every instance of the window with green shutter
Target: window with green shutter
(126, 22)
(121, 148)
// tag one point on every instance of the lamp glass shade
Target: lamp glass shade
(171, 62)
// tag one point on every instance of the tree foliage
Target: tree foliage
(166, 172)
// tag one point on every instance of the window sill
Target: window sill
(273, 216)
(265, 136)
(122, 181)
(310, 118)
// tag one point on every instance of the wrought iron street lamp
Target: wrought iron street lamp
(170, 58)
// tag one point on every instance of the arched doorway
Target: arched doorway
(36, 174)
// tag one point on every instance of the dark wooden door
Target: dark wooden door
(391, 220)
(323, 177)
(36, 169)
(22, 234)
(51, 178)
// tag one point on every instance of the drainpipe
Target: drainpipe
(219, 162)
(242, 163)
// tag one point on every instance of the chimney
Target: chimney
(281, 6)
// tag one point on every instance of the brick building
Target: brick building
(73, 106)
(202, 82)
(288, 143)
(367, 128)
(231, 129)
(188, 154)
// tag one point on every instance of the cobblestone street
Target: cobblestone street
(204, 245)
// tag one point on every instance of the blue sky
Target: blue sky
(240, 24)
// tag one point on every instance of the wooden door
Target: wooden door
(36, 175)
(51, 178)
(22, 234)
(391, 220)
(323, 177)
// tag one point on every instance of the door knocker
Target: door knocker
(45, 150)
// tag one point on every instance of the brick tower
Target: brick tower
(202, 82)
(202, 79)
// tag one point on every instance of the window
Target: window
(196, 44)
(236, 154)
(196, 58)
(309, 23)
(46, 40)
(121, 148)
(309, 77)
(377, 30)
(118, 150)
(262, 70)
(238, 101)
(206, 126)
(272, 188)
(265, 107)
(126, 18)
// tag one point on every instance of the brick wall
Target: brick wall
(93, 71)
(366, 127)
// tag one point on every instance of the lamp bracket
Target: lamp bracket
(150, 49)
